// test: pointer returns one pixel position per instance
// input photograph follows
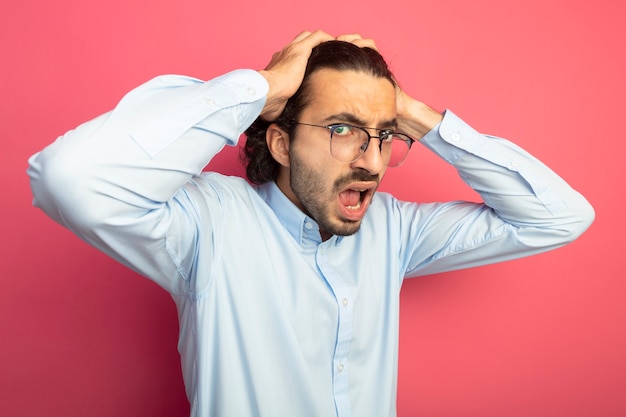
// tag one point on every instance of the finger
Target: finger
(356, 39)
(350, 37)
(315, 38)
(301, 36)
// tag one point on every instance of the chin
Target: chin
(346, 228)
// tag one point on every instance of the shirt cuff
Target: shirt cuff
(452, 130)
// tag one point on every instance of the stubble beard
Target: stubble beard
(308, 186)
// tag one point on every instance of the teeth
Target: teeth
(358, 206)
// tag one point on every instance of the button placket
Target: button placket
(341, 292)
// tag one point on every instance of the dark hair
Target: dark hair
(338, 55)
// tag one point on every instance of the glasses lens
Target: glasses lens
(347, 144)
(396, 150)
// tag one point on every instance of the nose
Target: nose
(371, 160)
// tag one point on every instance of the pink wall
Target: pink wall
(80, 335)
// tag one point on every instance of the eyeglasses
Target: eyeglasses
(348, 143)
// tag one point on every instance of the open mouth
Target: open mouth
(352, 198)
(355, 199)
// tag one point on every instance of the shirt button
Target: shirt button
(344, 302)
(210, 102)
(251, 91)
(456, 137)
(340, 367)
(308, 225)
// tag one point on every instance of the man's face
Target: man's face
(334, 193)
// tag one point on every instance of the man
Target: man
(288, 290)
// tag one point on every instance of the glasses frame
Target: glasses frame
(381, 138)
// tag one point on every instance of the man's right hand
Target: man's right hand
(286, 69)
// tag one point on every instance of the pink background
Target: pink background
(544, 336)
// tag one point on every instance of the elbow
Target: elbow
(578, 220)
(559, 229)
(56, 182)
(582, 220)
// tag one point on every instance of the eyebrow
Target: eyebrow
(352, 119)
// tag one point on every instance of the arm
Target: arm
(113, 180)
(527, 208)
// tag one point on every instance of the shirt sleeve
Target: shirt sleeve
(117, 181)
(527, 208)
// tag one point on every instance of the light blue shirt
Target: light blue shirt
(273, 321)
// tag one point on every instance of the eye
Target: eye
(342, 130)
(386, 135)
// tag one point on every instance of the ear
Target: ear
(278, 144)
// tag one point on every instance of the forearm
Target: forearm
(137, 156)
(527, 209)
(521, 190)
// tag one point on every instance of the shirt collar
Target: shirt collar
(302, 227)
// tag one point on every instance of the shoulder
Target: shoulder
(223, 187)
(386, 204)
